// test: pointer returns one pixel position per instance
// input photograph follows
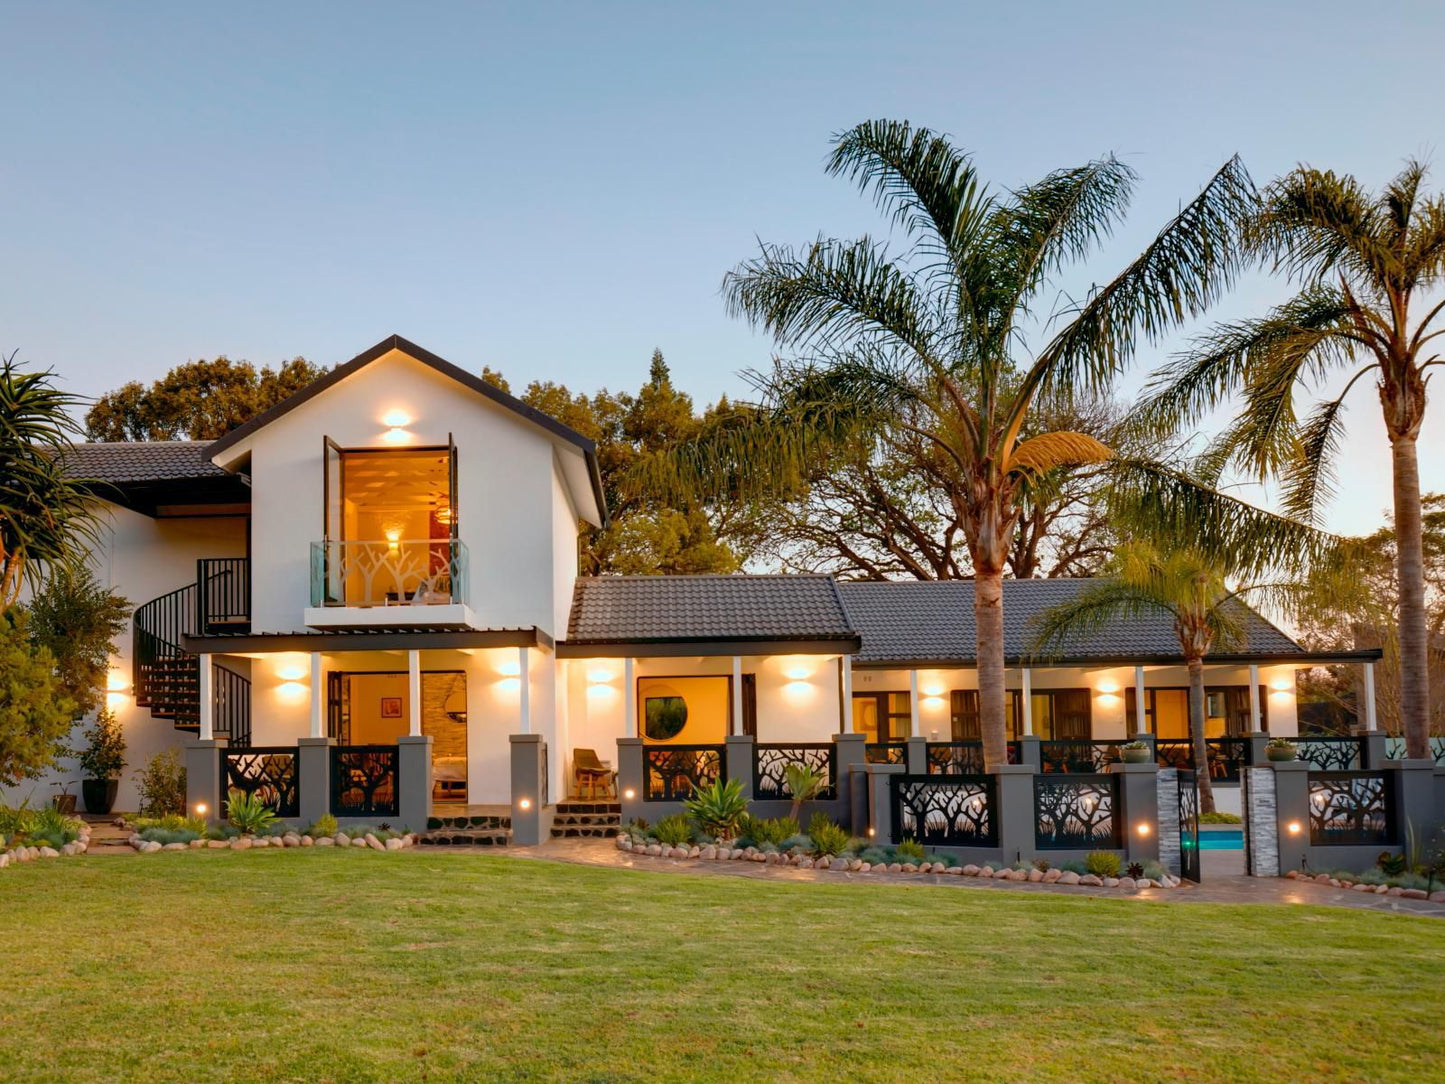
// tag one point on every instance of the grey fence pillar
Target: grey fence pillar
(1139, 799)
(1167, 782)
(313, 773)
(1258, 740)
(205, 782)
(1419, 815)
(1372, 749)
(880, 804)
(1030, 752)
(1292, 805)
(630, 781)
(413, 780)
(916, 756)
(531, 812)
(739, 762)
(1017, 836)
(850, 759)
(1261, 822)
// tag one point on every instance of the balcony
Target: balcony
(365, 584)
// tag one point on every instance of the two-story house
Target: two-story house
(391, 554)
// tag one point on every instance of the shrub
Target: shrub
(1041, 864)
(248, 812)
(1154, 871)
(1073, 865)
(804, 784)
(796, 842)
(718, 808)
(1391, 865)
(1220, 818)
(1135, 870)
(776, 830)
(325, 826)
(910, 850)
(168, 835)
(1370, 877)
(163, 784)
(1102, 863)
(170, 822)
(827, 837)
(35, 714)
(674, 830)
(104, 757)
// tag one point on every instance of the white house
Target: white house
(393, 551)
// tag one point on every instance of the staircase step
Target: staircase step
(477, 822)
(585, 831)
(574, 806)
(466, 837)
(589, 820)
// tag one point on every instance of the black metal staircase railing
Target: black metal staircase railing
(167, 677)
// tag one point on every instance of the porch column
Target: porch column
(524, 690)
(1371, 723)
(629, 699)
(1028, 701)
(316, 696)
(1254, 727)
(845, 685)
(913, 730)
(413, 692)
(737, 695)
(208, 704)
(1141, 716)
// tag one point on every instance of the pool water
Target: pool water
(1226, 839)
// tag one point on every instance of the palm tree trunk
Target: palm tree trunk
(1410, 570)
(988, 630)
(1196, 734)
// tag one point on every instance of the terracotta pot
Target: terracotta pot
(63, 803)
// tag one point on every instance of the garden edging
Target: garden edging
(28, 854)
(369, 841)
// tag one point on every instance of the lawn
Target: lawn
(334, 966)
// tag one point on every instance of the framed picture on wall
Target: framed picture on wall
(391, 707)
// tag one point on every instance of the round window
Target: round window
(666, 716)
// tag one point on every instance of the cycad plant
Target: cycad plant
(1367, 266)
(928, 343)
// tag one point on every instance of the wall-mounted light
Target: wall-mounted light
(396, 422)
(117, 682)
(629, 794)
(509, 668)
(871, 833)
(1108, 688)
(797, 672)
(202, 809)
(1281, 685)
(393, 539)
(1144, 828)
(599, 677)
(291, 690)
(932, 703)
(1293, 827)
(524, 803)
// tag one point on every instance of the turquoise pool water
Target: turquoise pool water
(1229, 839)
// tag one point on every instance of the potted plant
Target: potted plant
(1136, 752)
(64, 802)
(1281, 749)
(101, 763)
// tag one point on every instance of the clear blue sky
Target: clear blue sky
(555, 189)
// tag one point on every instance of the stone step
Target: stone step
(568, 807)
(597, 831)
(465, 837)
(484, 822)
(596, 820)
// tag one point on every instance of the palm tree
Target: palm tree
(928, 343)
(1360, 261)
(1146, 580)
(47, 517)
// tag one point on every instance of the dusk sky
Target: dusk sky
(553, 190)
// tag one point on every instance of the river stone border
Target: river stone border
(79, 845)
(714, 853)
(291, 839)
(1359, 886)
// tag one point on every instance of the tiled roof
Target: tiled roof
(143, 461)
(651, 609)
(933, 621)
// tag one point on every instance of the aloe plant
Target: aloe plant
(248, 812)
(718, 808)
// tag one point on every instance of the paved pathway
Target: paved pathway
(1225, 889)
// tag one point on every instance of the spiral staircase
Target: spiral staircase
(167, 677)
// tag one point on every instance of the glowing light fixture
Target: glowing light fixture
(115, 682)
(933, 702)
(1143, 828)
(525, 803)
(797, 672)
(393, 539)
(1107, 687)
(1294, 828)
(509, 668)
(629, 794)
(396, 419)
(599, 677)
(202, 809)
(1281, 685)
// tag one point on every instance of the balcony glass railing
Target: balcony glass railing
(409, 572)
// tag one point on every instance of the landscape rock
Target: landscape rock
(895, 867)
(864, 867)
(1092, 880)
(654, 849)
(1036, 875)
(1111, 882)
(1438, 897)
(341, 840)
(394, 844)
(1394, 890)
(985, 871)
(1414, 894)
(176, 847)
(1381, 890)
(823, 862)
(1322, 878)
(1363, 888)
(1128, 883)
(197, 844)
(360, 841)
(4, 859)
(217, 844)
(708, 853)
(242, 844)
(1068, 877)
(291, 839)
(150, 848)
(307, 841)
(374, 843)
(970, 870)
(325, 841)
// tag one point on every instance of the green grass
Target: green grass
(332, 966)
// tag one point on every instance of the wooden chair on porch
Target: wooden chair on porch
(589, 773)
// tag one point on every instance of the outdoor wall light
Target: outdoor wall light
(1108, 688)
(1281, 685)
(1293, 827)
(396, 422)
(1143, 829)
(202, 809)
(629, 794)
(525, 803)
(599, 677)
(116, 682)
(871, 833)
(933, 703)
(291, 689)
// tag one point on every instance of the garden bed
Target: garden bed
(152, 835)
(28, 834)
(1368, 882)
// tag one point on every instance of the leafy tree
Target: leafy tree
(929, 344)
(47, 517)
(35, 713)
(1361, 261)
(199, 400)
(78, 620)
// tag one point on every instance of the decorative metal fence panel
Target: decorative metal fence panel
(1227, 756)
(945, 811)
(1189, 859)
(771, 764)
(1330, 754)
(886, 752)
(672, 771)
(271, 773)
(1395, 748)
(1352, 808)
(955, 758)
(1076, 812)
(1078, 757)
(364, 781)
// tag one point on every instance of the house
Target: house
(382, 570)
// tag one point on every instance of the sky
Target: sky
(553, 190)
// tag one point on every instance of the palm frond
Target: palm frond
(1101, 605)
(1309, 475)
(1042, 453)
(1312, 222)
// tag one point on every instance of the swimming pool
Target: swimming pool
(1227, 838)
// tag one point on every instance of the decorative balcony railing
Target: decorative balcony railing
(409, 572)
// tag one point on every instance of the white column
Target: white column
(845, 706)
(317, 697)
(737, 695)
(413, 692)
(913, 730)
(629, 699)
(1141, 714)
(1254, 699)
(1027, 694)
(524, 689)
(208, 703)
(1371, 723)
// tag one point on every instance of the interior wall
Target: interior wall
(708, 708)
